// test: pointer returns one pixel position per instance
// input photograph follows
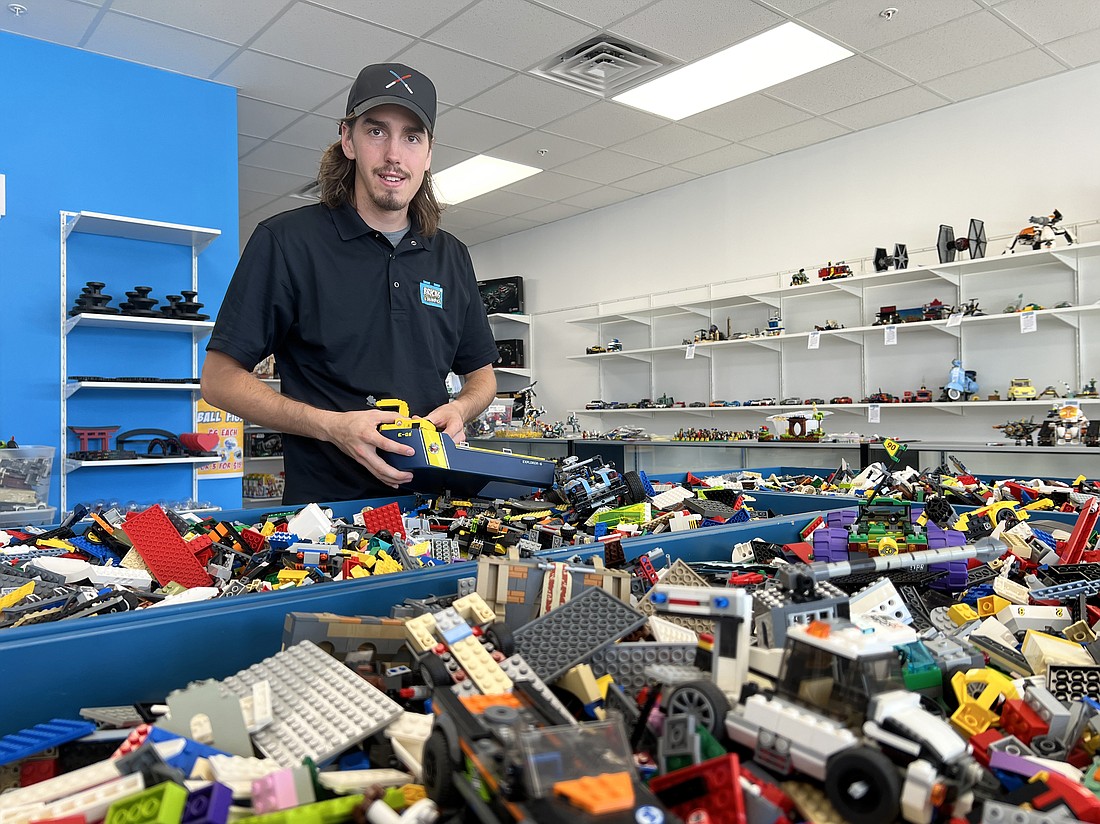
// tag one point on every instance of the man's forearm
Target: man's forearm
(479, 389)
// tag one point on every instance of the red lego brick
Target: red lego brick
(386, 517)
(711, 789)
(133, 741)
(807, 530)
(168, 556)
(33, 770)
(1018, 719)
(980, 743)
(646, 571)
(803, 550)
(254, 539)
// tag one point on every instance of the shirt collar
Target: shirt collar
(349, 225)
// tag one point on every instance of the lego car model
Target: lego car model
(842, 399)
(595, 350)
(596, 405)
(811, 401)
(760, 402)
(1020, 389)
(790, 402)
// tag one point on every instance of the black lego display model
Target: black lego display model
(947, 245)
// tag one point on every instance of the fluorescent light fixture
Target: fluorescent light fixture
(477, 176)
(776, 55)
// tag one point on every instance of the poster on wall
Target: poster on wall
(230, 431)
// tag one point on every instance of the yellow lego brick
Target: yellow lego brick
(423, 548)
(580, 682)
(1042, 650)
(603, 684)
(295, 576)
(54, 543)
(358, 571)
(330, 538)
(970, 719)
(990, 605)
(386, 564)
(479, 665)
(17, 595)
(421, 632)
(962, 614)
(473, 609)
(268, 529)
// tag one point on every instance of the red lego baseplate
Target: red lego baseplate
(710, 791)
(386, 517)
(168, 556)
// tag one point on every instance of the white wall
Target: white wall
(1000, 158)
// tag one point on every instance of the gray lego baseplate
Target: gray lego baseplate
(627, 662)
(570, 634)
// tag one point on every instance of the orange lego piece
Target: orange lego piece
(599, 794)
(477, 703)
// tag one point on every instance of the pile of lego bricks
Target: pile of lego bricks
(884, 668)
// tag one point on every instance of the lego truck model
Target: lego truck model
(587, 485)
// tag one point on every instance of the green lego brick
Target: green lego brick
(162, 804)
(333, 811)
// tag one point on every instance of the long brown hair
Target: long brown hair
(337, 179)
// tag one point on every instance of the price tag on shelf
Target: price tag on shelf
(690, 353)
(955, 319)
(1028, 322)
(890, 336)
(814, 341)
(873, 413)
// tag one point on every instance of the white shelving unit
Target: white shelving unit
(197, 239)
(509, 327)
(857, 360)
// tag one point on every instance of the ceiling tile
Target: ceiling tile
(472, 237)
(599, 14)
(999, 74)
(504, 203)
(282, 204)
(280, 81)
(559, 150)
(606, 123)
(246, 144)
(961, 44)
(669, 143)
(792, 6)
(413, 18)
(510, 225)
(269, 182)
(1079, 50)
(857, 22)
(746, 117)
(251, 201)
(286, 158)
(797, 136)
(311, 131)
(528, 100)
(550, 186)
(720, 159)
(258, 118)
(893, 106)
(606, 166)
(60, 21)
(235, 22)
(335, 106)
(156, 45)
(600, 197)
(474, 132)
(444, 157)
(841, 84)
(462, 217)
(457, 77)
(328, 40)
(660, 178)
(551, 212)
(688, 31)
(1045, 23)
(514, 32)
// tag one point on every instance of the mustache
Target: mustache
(391, 170)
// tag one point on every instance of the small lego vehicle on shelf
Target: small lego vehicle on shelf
(830, 325)
(1020, 389)
(881, 397)
(812, 401)
(1020, 306)
(1089, 390)
(790, 402)
(595, 350)
(615, 345)
(842, 399)
(800, 278)
(831, 271)
(760, 402)
(1042, 231)
(664, 402)
(1021, 432)
(596, 405)
(961, 383)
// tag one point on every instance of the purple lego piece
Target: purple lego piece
(841, 517)
(209, 805)
(957, 577)
(830, 544)
(1015, 764)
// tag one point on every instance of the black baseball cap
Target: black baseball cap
(395, 83)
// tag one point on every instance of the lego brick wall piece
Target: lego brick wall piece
(167, 555)
(626, 662)
(571, 633)
(34, 740)
(320, 706)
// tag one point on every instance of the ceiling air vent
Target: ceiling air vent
(605, 67)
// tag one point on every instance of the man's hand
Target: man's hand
(448, 418)
(357, 435)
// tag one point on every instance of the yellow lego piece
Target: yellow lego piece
(974, 714)
(292, 576)
(384, 563)
(474, 610)
(962, 614)
(990, 605)
(1079, 632)
(54, 543)
(603, 684)
(413, 793)
(357, 571)
(580, 682)
(421, 632)
(268, 529)
(479, 665)
(970, 719)
(423, 548)
(17, 595)
(1042, 650)
(1040, 505)
(330, 538)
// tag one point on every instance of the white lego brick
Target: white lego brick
(742, 552)
(70, 569)
(671, 497)
(994, 630)
(1011, 591)
(880, 598)
(257, 708)
(1042, 650)
(680, 522)
(666, 632)
(238, 773)
(347, 782)
(93, 803)
(411, 726)
(311, 524)
(188, 596)
(121, 577)
(60, 786)
(421, 632)
(411, 755)
(1019, 618)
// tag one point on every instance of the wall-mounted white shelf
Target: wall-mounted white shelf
(197, 328)
(262, 458)
(134, 228)
(72, 466)
(509, 316)
(152, 386)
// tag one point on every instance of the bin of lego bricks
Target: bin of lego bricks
(883, 668)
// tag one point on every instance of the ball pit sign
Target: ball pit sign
(230, 431)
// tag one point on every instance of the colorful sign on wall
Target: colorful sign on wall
(230, 431)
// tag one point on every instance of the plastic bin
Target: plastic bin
(25, 485)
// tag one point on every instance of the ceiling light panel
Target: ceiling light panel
(758, 63)
(477, 176)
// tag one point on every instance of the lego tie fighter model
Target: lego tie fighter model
(974, 242)
(899, 260)
(1041, 232)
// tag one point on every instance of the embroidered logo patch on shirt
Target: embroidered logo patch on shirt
(431, 294)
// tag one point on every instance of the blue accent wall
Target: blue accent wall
(84, 132)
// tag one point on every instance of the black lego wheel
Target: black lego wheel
(705, 701)
(501, 638)
(434, 672)
(863, 786)
(439, 771)
(635, 489)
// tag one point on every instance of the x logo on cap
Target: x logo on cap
(399, 79)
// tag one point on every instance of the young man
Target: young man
(360, 297)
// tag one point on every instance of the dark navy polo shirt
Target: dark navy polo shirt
(348, 317)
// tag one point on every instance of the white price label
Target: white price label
(1028, 322)
(690, 353)
(873, 413)
(814, 341)
(955, 319)
(890, 336)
